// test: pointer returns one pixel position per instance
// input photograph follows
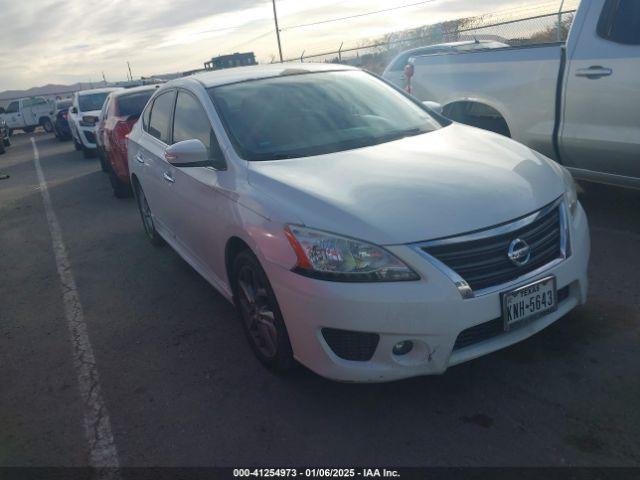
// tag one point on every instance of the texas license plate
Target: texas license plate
(529, 302)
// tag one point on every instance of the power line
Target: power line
(355, 16)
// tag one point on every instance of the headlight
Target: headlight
(331, 257)
(570, 193)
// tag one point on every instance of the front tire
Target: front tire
(104, 166)
(147, 218)
(88, 152)
(260, 314)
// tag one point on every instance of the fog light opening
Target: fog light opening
(402, 348)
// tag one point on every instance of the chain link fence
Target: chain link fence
(545, 27)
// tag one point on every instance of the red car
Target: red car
(123, 110)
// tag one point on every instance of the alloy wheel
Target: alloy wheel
(256, 311)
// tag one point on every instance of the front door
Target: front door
(200, 200)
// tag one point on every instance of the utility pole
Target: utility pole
(130, 74)
(275, 18)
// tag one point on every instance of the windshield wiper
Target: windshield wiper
(400, 134)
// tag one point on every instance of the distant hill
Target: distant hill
(47, 90)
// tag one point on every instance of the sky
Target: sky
(68, 41)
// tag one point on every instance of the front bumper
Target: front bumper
(430, 312)
(87, 137)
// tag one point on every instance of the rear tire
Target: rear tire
(76, 144)
(120, 189)
(261, 318)
(47, 125)
(147, 218)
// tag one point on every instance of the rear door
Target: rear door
(150, 156)
(601, 123)
(27, 112)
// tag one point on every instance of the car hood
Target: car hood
(454, 180)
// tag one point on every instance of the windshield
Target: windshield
(62, 104)
(92, 101)
(131, 105)
(313, 114)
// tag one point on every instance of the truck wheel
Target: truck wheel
(47, 125)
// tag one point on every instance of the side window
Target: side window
(160, 119)
(13, 107)
(620, 21)
(146, 116)
(191, 121)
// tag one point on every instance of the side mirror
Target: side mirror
(435, 106)
(188, 153)
(74, 110)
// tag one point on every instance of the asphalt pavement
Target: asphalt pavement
(182, 388)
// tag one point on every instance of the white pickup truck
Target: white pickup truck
(28, 113)
(578, 103)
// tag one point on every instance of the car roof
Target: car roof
(126, 91)
(97, 90)
(254, 72)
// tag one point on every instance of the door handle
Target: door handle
(168, 177)
(594, 72)
(139, 159)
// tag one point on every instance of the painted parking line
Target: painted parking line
(97, 426)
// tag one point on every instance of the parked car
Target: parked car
(356, 230)
(122, 110)
(61, 120)
(576, 103)
(28, 113)
(83, 117)
(4, 136)
(100, 133)
(395, 74)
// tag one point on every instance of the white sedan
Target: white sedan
(357, 231)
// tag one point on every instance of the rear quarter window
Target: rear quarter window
(620, 22)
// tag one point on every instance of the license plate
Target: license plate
(529, 302)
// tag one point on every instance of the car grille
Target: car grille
(493, 328)
(348, 345)
(484, 263)
(90, 136)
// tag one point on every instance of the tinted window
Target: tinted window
(313, 114)
(191, 121)
(160, 117)
(620, 21)
(131, 105)
(91, 101)
(13, 107)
